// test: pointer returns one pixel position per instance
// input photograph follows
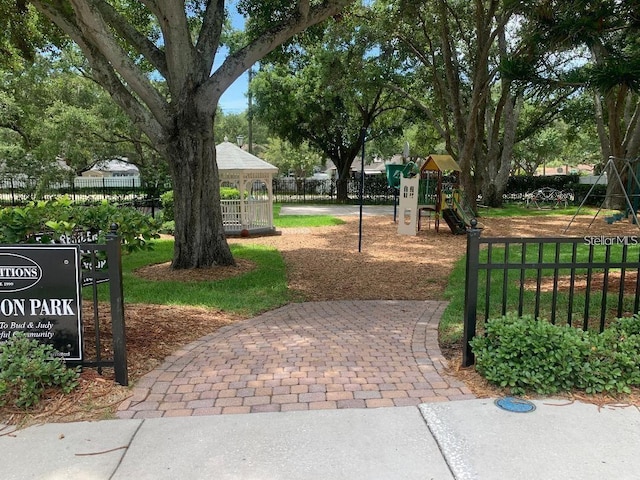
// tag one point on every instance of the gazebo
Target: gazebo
(253, 178)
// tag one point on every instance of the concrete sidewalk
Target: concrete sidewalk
(337, 210)
(471, 439)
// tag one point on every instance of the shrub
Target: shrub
(612, 362)
(48, 221)
(27, 367)
(230, 193)
(167, 206)
(528, 355)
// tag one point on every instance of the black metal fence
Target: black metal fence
(130, 190)
(584, 282)
(305, 190)
(102, 264)
(285, 189)
(122, 189)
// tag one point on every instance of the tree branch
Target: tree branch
(95, 32)
(142, 44)
(240, 61)
(209, 38)
(180, 52)
(101, 67)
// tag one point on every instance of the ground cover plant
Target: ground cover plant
(527, 355)
(27, 368)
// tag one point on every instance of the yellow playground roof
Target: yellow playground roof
(440, 162)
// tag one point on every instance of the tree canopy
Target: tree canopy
(330, 88)
(156, 59)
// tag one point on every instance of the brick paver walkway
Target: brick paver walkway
(320, 355)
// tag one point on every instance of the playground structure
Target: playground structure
(630, 191)
(431, 192)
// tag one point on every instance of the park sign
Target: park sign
(40, 296)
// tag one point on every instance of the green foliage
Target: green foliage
(49, 112)
(518, 185)
(298, 161)
(27, 367)
(328, 88)
(229, 193)
(167, 206)
(231, 125)
(528, 355)
(52, 220)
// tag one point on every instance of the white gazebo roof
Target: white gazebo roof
(230, 157)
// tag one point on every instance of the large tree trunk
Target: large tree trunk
(342, 189)
(199, 234)
(498, 160)
(343, 169)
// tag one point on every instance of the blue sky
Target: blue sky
(234, 99)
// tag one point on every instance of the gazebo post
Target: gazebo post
(244, 222)
(269, 183)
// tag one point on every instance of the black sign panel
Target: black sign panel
(40, 295)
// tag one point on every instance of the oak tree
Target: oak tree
(156, 59)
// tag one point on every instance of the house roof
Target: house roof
(231, 157)
(114, 165)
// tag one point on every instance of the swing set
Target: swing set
(630, 191)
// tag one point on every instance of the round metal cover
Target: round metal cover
(513, 404)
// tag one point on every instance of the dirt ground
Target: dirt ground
(322, 264)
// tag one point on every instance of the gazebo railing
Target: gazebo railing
(250, 215)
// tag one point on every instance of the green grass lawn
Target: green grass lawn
(259, 290)
(262, 289)
(451, 326)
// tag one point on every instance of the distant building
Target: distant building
(565, 170)
(112, 168)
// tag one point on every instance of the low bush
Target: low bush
(167, 206)
(27, 368)
(53, 220)
(527, 355)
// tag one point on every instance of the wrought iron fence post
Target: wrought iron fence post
(471, 292)
(117, 306)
